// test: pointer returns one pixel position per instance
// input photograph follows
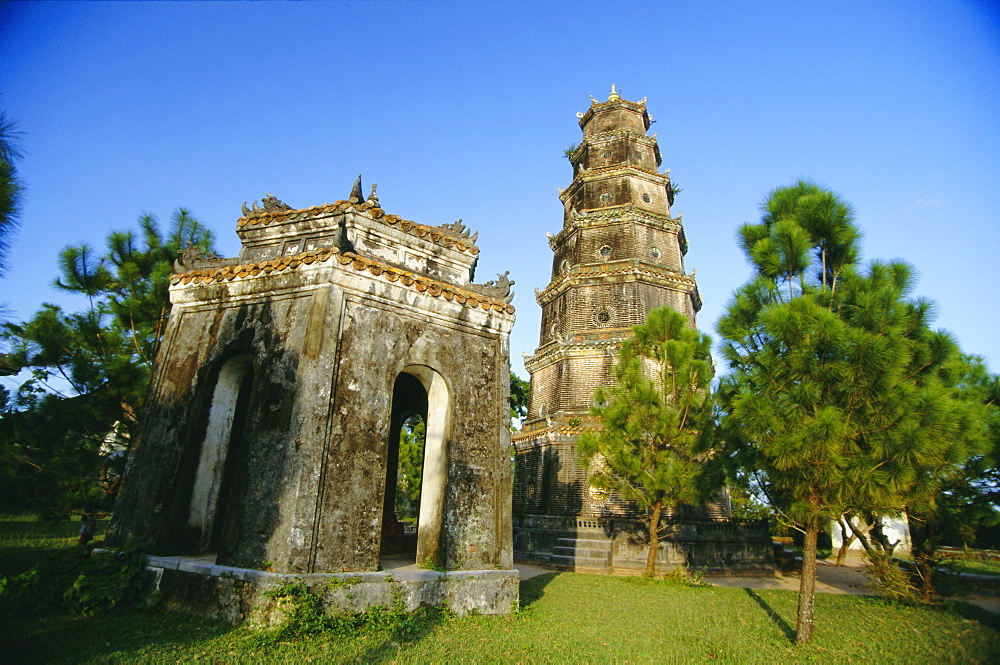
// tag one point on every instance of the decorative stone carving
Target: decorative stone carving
(192, 258)
(495, 288)
(356, 196)
(457, 229)
(598, 496)
(271, 204)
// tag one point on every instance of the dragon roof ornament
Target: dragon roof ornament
(498, 288)
(459, 230)
(271, 204)
(193, 258)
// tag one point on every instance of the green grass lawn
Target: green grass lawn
(566, 617)
(23, 539)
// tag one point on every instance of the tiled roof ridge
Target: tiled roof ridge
(359, 263)
(615, 99)
(433, 233)
(558, 429)
(563, 344)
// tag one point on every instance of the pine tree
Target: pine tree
(656, 425)
(840, 393)
(966, 498)
(90, 369)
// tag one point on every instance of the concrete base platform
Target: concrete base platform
(241, 594)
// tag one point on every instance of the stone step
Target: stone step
(587, 534)
(587, 552)
(585, 542)
(578, 562)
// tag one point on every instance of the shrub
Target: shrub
(305, 614)
(79, 581)
(890, 581)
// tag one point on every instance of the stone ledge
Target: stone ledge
(241, 594)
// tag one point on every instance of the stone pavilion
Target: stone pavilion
(272, 427)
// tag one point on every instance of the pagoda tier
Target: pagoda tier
(620, 253)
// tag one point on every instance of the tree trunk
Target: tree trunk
(924, 550)
(859, 532)
(654, 539)
(878, 555)
(807, 587)
(846, 538)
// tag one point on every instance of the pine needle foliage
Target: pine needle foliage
(841, 395)
(656, 424)
(11, 187)
(89, 369)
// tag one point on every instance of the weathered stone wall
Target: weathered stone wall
(279, 325)
(625, 236)
(360, 425)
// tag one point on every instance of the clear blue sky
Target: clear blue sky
(463, 110)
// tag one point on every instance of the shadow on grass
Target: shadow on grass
(115, 636)
(974, 612)
(388, 643)
(778, 620)
(533, 589)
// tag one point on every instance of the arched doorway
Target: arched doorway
(420, 397)
(220, 481)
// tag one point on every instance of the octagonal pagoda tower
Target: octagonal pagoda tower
(620, 253)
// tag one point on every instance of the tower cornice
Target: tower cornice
(626, 214)
(578, 345)
(622, 132)
(600, 138)
(614, 171)
(628, 270)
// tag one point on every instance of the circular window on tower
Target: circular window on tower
(655, 253)
(598, 495)
(645, 197)
(605, 198)
(602, 318)
(606, 154)
(605, 251)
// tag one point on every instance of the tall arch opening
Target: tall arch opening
(419, 402)
(220, 480)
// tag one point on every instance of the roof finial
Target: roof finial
(356, 195)
(614, 95)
